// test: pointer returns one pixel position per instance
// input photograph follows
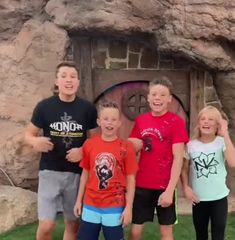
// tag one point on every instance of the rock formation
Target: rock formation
(34, 36)
(18, 207)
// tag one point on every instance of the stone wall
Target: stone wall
(34, 38)
(113, 53)
(27, 76)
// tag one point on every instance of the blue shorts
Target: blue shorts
(109, 217)
(93, 219)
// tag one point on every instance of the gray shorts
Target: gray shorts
(57, 191)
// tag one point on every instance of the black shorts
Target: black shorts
(145, 204)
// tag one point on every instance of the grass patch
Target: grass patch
(183, 230)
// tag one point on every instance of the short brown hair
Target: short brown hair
(164, 81)
(107, 104)
(66, 64)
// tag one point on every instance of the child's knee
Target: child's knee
(46, 227)
(71, 226)
(166, 231)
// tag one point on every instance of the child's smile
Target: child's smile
(207, 125)
(158, 98)
(109, 122)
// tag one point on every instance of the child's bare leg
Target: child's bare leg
(166, 232)
(71, 230)
(136, 231)
(45, 229)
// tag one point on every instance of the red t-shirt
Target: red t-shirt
(158, 135)
(108, 164)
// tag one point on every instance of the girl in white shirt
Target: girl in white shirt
(204, 173)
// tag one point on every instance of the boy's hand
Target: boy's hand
(126, 217)
(74, 155)
(137, 143)
(165, 199)
(42, 144)
(77, 210)
(191, 195)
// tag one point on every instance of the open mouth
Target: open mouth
(109, 128)
(157, 104)
(69, 87)
(206, 127)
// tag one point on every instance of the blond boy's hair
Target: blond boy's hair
(164, 81)
(107, 104)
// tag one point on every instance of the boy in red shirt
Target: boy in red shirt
(160, 135)
(107, 183)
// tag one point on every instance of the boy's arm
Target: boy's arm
(92, 132)
(137, 143)
(130, 192)
(39, 143)
(189, 193)
(135, 137)
(166, 197)
(81, 191)
(185, 173)
(75, 154)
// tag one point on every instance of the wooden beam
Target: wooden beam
(82, 57)
(105, 79)
(197, 96)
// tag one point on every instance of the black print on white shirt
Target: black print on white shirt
(205, 164)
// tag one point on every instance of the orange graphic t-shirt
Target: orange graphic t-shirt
(108, 164)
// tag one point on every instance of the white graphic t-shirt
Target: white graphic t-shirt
(207, 169)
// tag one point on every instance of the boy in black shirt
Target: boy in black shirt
(65, 120)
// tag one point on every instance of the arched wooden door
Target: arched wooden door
(132, 100)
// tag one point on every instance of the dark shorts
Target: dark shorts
(91, 231)
(146, 203)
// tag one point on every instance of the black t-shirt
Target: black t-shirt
(66, 123)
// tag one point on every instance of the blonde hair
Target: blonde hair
(212, 110)
(107, 104)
